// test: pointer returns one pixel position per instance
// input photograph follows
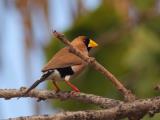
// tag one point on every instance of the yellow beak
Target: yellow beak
(92, 44)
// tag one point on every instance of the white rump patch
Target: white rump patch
(67, 77)
(55, 76)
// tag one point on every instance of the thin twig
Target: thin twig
(124, 91)
(121, 111)
(45, 94)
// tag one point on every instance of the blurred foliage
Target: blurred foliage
(132, 54)
(144, 5)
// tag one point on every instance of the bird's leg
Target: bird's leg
(72, 86)
(56, 86)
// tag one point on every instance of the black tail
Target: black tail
(43, 78)
(33, 86)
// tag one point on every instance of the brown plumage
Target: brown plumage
(64, 64)
(64, 58)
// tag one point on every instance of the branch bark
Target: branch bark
(90, 60)
(148, 106)
(45, 94)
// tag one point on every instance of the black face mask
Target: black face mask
(86, 41)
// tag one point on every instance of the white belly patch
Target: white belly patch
(55, 76)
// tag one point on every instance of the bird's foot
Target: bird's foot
(73, 92)
(75, 89)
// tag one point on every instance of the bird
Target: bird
(65, 65)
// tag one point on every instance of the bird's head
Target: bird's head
(84, 42)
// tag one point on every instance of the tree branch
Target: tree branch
(120, 87)
(124, 110)
(45, 94)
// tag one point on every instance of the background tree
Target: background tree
(129, 46)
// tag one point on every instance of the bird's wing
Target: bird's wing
(62, 59)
